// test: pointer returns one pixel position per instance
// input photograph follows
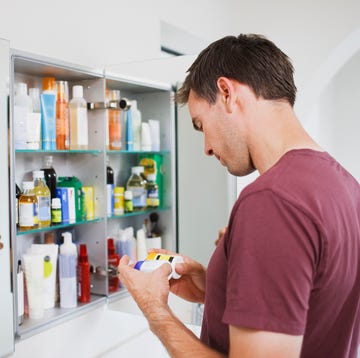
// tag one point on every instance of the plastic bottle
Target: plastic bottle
(56, 211)
(172, 259)
(22, 107)
(28, 206)
(48, 113)
(141, 250)
(136, 184)
(136, 125)
(114, 122)
(42, 193)
(83, 274)
(49, 174)
(113, 263)
(62, 116)
(152, 191)
(129, 135)
(34, 121)
(119, 200)
(67, 272)
(109, 190)
(78, 120)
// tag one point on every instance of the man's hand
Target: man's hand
(150, 290)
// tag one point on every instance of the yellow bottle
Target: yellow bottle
(28, 207)
(43, 196)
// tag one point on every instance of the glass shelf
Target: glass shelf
(138, 213)
(80, 151)
(55, 227)
(162, 152)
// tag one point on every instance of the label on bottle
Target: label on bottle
(110, 199)
(56, 216)
(44, 208)
(26, 214)
(67, 266)
(139, 197)
(82, 126)
(118, 201)
(152, 197)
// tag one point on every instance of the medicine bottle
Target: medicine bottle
(119, 200)
(43, 195)
(56, 211)
(28, 206)
(152, 191)
(136, 184)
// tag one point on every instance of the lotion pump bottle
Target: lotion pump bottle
(67, 272)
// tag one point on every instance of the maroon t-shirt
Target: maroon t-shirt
(289, 261)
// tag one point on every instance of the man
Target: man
(285, 279)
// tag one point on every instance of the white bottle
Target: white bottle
(78, 120)
(22, 107)
(141, 250)
(136, 124)
(67, 272)
(33, 132)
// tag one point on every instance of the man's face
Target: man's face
(224, 135)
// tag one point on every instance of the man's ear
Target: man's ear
(227, 93)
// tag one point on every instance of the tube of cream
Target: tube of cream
(34, 275)
(129, 131)
(48, 120)
(50, 254)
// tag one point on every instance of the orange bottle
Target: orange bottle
(62, 116)
(114, 122)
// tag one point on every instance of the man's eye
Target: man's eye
(197, 126)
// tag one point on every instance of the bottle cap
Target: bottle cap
(38, 174)
(49, 84)
(137, 170)
(138, 265)
(28, 185)
(56, 203)
(78, 91)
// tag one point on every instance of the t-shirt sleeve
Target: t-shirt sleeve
(272, 251)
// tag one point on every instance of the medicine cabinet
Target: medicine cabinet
(89, 166)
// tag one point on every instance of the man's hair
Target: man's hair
(249, 59)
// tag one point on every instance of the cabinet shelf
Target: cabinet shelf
(161, 152)
(138, 213)
(57, 314)
(55, 227)
(41, 151)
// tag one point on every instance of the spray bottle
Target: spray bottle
(67, 272)
(83, 275)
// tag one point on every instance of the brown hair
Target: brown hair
(249, 59)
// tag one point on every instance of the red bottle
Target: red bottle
(83, 272)
(113, 263)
